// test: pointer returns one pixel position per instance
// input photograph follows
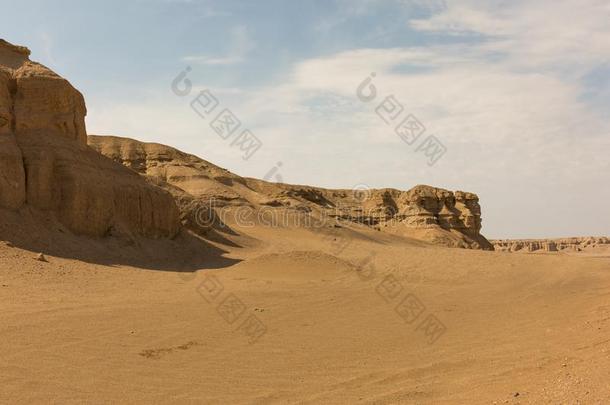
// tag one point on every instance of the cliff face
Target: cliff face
(45, 162)
(550, 245)
(424, 212)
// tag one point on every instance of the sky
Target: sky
(513, 97)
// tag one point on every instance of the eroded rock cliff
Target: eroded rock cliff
(423, 212)
(45, 163)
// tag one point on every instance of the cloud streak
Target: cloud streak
(240, 45)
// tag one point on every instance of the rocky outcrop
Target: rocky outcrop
(576, 244)
(425, 206)
(424, 212)
(46, 164)
(12, 173)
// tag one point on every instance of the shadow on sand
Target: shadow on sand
(186, 252)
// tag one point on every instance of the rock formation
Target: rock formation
(45, 163)
(550, 245)
(424, 212)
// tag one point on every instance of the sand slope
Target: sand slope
(536, 325)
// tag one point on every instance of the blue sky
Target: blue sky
(517, 91)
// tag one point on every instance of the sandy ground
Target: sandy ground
(298, 316)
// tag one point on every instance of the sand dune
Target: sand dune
(532, 325)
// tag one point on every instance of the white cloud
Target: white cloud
(240, 45)
(563, 35)
(206, 60)
(47, 47)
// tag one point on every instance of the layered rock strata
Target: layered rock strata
(575, 244)
(45, 163)
(429, 213)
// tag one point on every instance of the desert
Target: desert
(133, 271)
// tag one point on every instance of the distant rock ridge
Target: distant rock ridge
(45, 163)
(424, 212)
(550, 245)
